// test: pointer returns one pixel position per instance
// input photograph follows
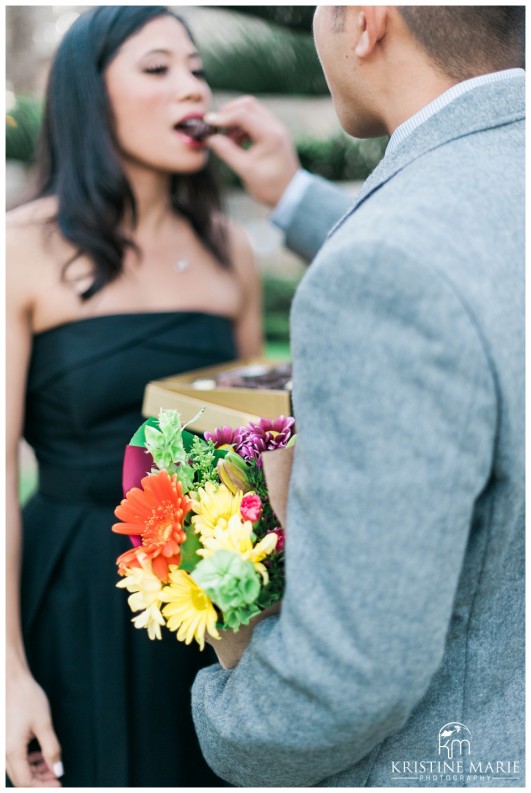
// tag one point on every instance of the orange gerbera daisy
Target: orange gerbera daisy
(155, 513)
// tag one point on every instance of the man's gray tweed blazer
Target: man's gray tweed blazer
(398, 658)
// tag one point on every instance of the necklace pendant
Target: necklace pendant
(181, 265)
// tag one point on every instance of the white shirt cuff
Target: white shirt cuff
(291, 197)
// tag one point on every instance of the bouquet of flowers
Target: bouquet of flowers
(207, 547)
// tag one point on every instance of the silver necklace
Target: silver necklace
(181, 265)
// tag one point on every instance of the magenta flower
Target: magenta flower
(281, 539)
(251, 507)
(223, 437)
(267, 435)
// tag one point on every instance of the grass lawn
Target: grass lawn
(277, 349)
(27, 484)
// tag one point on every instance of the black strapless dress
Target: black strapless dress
(120, 702)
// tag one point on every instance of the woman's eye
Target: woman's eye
(156, 70)
(199, 73)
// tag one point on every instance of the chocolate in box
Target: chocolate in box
(233, 393)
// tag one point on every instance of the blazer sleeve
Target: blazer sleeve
(320, 207)
(395, 403)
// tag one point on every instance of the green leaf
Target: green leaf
(188, 439)
(189, 548)
(139, 438)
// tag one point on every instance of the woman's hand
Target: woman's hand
(230, 648)
(268, 164)
(28, 719)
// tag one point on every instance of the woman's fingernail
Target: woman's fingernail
(58, 769)
(211, 118)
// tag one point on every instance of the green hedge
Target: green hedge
(341, 158)
(294, 17)
(23, 123)
(277, 61)
(277, 296)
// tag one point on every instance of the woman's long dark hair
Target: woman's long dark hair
(79, 153)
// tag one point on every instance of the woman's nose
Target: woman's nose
(190, 87)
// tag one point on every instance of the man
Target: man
(398, 655)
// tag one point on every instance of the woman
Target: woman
(121, 271)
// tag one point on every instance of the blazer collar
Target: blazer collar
(485, 107)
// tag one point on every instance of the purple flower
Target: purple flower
(281, 538)
(267, 435)
(224, 437)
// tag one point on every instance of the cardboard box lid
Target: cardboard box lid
(224, 406)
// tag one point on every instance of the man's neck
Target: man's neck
(411, 94)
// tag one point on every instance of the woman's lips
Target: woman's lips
(193, 143)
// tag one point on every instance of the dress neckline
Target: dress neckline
(129, 314)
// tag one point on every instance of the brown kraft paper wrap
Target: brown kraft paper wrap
(277, 466)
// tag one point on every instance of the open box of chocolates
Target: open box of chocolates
(233, 393)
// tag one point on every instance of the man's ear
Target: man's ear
(371, 25)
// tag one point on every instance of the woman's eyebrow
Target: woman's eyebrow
(162, 51)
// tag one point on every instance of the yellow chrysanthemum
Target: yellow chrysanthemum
(152, 620)
(189, 611)
(237, 536)
(214, 507)
(146, 589)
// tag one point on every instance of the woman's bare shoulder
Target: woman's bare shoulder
(31, 216)
(30, 230)
(31, 244)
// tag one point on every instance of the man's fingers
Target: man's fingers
(268, 164)
(248, 116)
(229, 151)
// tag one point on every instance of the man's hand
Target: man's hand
(230, 648)
(268, 162)
(28, 718)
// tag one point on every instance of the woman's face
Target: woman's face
(154, 82)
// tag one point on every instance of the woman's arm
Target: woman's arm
(248, 325)
(28, 712)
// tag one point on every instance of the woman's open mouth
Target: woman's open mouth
(195, 130)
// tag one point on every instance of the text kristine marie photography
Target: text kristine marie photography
(455, 763)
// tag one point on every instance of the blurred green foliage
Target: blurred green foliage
(295, 17)
(277, 61)
(270, 50)
(28, 482)
(341, 157)
(23, 123)
(278, 350)
(277, 296)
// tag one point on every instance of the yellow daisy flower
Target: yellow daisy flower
(146, 589)
(214, 506)
(237, 536)
(152, 620)
(189, 611)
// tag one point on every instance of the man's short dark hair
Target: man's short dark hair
(465, 41)
(338, 15)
